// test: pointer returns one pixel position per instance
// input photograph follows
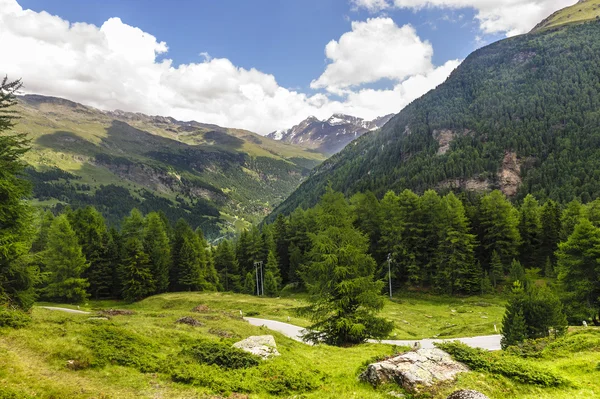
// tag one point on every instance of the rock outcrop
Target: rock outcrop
(263, 346)
(467, 394)
(509, 175)
(414, 370)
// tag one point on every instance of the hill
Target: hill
(329, 136)
(583, 11)
(219, 178)
(520, 115)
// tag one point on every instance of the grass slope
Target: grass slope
(584, 10)
(227, 177)
(144, 355)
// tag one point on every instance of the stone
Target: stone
(414, 370)
(467, 394)
(190, 321)
(263, 346)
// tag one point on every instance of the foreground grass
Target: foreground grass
(62, 355)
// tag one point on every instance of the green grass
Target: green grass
(580, 12)
(148, 355)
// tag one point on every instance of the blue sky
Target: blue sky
(283, 38)
(259, 65)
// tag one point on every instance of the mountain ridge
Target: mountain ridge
(328, 136)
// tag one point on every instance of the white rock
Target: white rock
(263, 346)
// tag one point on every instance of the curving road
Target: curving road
(67, 310)
(489, 342)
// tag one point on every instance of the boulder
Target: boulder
(413, 370)
(263, 346)
(467, 394)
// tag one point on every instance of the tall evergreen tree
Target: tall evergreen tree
(227, 267)
(135, 270)
(579, 271)
(157, 246)
(569, 219)
(90, 227)
(272, 277)
(296, 260)
(551, 227)
(433, 213)
(457, 270)
(530, 230)
(66, 264)
(499, 228)
(281, 239)
(368, 219)
(17, 277)
(496, 269)
(344, 297)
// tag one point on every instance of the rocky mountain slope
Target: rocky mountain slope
(218, 178)
(329, 136)
(519, 115)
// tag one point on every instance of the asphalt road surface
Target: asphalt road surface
(489, 342)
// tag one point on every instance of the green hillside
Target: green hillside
(520, 115)
(221, 179)
(584, 10)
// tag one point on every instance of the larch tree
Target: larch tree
(158, 248)
(272, 276)
(135, 270)
(530, 230)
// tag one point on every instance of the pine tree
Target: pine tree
(272, 278)
(530, 231)
(157, 246)
(344, 297)
(486, 284)
(66, 264)
(281, 241)
(569, 219)
(227, 267)
(208, 273)
(16, 233)
(250, 284)
(433, 209)
(517, 273)
(296, 260)
(368, 218)
(578, 271)
(514, 329)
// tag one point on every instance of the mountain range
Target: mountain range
(218, 178)
(520, 115)
(328, 136)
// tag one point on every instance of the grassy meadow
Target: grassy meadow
(148, 355)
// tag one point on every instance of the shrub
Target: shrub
(282, 380)
(500, 363)
(114, 345)
(209, 352)
(251, 313)
(13, 318)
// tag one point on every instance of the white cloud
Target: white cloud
(511, 17)
(116, 66)
(375, 49)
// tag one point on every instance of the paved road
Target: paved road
(67, 310)
(489, 342)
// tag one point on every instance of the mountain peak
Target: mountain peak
(582, 11)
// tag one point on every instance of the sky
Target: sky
(260, 65)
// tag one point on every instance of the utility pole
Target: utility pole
(389, 260)
(260, 278)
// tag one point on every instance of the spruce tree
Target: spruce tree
(17, 276)
(250, 284)
(65, 263)
(344, 297)
(281, 240)
(514, 329)
(296, 260)
(368, 219)
(157, 246)
(517, 273)
(208, 273)
(569, 219)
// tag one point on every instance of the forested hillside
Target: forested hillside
(520, 115)
(220, 179)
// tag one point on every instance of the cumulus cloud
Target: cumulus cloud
(118, 66)
(511, 17)
(375, 49)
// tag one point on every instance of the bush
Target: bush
(114, 345)
(209, 352)
(13, 318)
(282, 380)
(500, 363)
